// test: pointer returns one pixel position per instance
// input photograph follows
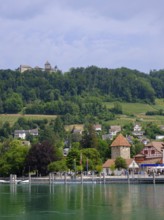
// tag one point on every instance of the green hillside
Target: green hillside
(131, 112)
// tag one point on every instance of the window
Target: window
(153, 152)
(145, 152)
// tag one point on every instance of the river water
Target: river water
(77, 202)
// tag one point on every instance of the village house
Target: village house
(137, 131)
(152, 153)
(97, 127)
(159, 137)
(107, 137)
(144, 140)
(137, 127)
(76, 131)
(22, 134)
(114, 130)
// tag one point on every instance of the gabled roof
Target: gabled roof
(32, 131)
(110, 162)
(120, 141)
(97, 126)
(156, 144)
(114, 128)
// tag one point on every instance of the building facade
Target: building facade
(120, 147)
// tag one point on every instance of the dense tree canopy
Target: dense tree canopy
(12, 158)
(40, 156)
(77, 97)
(61, 93)
(120, 163)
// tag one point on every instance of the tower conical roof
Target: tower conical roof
(120, 141)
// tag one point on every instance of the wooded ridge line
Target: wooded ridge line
(38, 92)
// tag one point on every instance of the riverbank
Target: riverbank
(52, 179)
(101, 180)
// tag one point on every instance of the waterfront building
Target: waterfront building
(120, 147)
(152, 153)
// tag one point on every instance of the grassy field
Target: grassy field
(136, 112)
(138, 108)
(12, 118)
(131, 112)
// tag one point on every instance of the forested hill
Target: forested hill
(29, 90)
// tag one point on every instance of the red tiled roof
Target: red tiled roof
(120, 141)
(110, 162)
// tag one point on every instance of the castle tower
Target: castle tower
(120, 147)
(48, 67)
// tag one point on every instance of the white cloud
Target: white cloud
(71, 33)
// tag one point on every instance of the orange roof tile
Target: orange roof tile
(120, 141)
(110, 162)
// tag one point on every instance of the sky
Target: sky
(81, 33)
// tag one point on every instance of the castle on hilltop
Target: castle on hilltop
(47, 68)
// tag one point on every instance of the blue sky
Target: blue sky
(81, 33)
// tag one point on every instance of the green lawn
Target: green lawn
(12, 118)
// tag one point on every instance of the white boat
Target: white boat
(24, 181)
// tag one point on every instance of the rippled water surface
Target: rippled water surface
(87, 201)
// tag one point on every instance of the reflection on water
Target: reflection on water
(87, 201)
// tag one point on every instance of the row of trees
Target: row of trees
(19, 159)
(42, 158)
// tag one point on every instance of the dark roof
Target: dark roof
(32, 131)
